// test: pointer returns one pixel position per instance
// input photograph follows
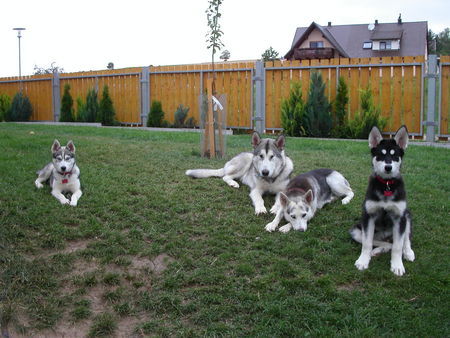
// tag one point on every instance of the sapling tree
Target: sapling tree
(214, 35)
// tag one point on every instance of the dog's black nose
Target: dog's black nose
(388, 168)
(63, 168)
(265, 172)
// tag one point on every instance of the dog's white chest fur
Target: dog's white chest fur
(397, 208)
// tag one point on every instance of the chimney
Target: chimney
(329, 23)
(376, 22)
(399, 20)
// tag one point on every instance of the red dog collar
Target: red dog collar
(65, 180)
(387, 190)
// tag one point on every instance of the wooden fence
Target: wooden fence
(397, 84)
(123, 84)
(175, 85)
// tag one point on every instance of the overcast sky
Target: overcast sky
(88, 34)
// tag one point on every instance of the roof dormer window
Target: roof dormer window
(385, 45)
(367, 45)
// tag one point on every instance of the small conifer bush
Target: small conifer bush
(67, 111)
(156, 115)
(21, 108)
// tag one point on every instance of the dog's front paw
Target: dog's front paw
(260, 210)
(234, 184)
(362, 263)
(38, 184)
(73, 203)
(285, 228)
(64, 201)
(348, 198)
(271, 227)
(409, 255)
(397, 268)
(274, 209)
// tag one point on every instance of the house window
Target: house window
(367, 45)
(316, 44)
(385, 45)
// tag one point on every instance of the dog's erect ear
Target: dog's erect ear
(401, 137)
(55, 146)
(309, 196)
(374, 137)
(70, 146)
(256, 139)
(284, 200)
(280, 142)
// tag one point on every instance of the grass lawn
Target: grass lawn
(149, 251)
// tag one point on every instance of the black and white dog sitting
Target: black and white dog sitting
(62, 174)
(385, 217)
(307, 193)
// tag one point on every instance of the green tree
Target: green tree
(21, 108)
(5, 106)
(443, 42)
(340, 109)
(317, 117)
(439, 43)
(92, 106)
(156, 115)
(269, 54)
(292, 111)
(106, 110)
(81, 110)
(370, 115)
(66, 106)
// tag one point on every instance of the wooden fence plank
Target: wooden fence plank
(408, 94)
(305, 77)
(397, 81)
(386, 95)
(269, 96)
(276, 120)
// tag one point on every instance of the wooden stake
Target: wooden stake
(209, 125)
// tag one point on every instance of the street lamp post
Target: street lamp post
(19, 30)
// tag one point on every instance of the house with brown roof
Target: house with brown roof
(359, 41)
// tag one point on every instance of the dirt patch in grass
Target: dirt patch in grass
(126, 327)
(157, 265)
(74, 246)
(352, 286)
(71, 247)
(65, 329)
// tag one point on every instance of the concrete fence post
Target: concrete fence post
(430, 123)
(259, 120)
(56, 96)
(145, 95)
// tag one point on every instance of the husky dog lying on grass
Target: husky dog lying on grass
(62, 174)
(305, 194)
(265, 170)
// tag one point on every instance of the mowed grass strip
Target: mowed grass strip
(149, 251)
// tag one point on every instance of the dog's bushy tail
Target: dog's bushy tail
(203, 173)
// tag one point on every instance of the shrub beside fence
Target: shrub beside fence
(397, 84)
